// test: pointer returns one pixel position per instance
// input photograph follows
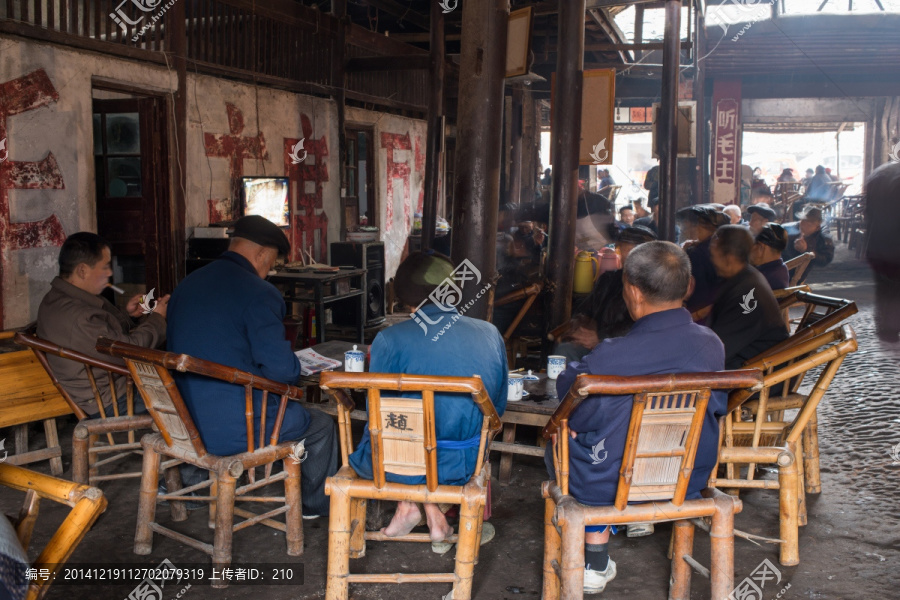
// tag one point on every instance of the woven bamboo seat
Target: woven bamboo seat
(179, 438)
(87, 503)
(118, 430)
(666, 420)
(743, 440)
(403, 441)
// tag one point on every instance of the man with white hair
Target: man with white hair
(734, 213)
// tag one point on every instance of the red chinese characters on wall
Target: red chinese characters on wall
(395, 170)
(726, 164)
(310, 172)
(19, 95)
(235, 147)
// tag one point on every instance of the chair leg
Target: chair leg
(571, 520)
(357, 527)
(683, 544)
(178, 510)
(788, 488)
(143, 535)
(506, 458)
(811, 456)
(92, 458)
(551, 553)
(294, 516)
(466, 547)
(213, 491)
(337, 586)
(801, 487)
(221, 557)
(721, 548)
(56, 465)
(81, 445)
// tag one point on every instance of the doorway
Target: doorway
(358, 204)
(131, 175)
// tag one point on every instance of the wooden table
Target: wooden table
(308, 287)
(27, 394)
(535, 410)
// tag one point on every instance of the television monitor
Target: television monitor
(267, 197)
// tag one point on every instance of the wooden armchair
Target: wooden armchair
(87, 504)
(530, 294)
(666, 420)
(410, 449)
(179, 438)
(820, 313)
(744, 439)
(86, 445)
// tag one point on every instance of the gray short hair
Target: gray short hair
(660, 270)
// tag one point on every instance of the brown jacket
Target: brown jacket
(73, 318)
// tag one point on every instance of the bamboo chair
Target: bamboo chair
(179, 438)
(410, 451)
(87, 504)
(798, 266)
(744, 440)
(666, 420)
(530, 294)
(786, 308)
(86, 446)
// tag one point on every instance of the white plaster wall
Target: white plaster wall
(278, 116)
(395, 232)
(65, 129)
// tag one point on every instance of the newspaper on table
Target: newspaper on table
(312, 362)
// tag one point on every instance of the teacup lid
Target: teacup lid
(531, 376)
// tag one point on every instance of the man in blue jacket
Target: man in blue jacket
(442, 342)
(227, 313)
(662, 340)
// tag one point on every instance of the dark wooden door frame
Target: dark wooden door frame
(170, 214)
(371, 196)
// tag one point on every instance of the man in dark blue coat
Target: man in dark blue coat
(227, 313)
(663, 339)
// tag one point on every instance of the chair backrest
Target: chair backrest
(789, 366)
(41, 348)
(821, 314)
(402, 430)
(151, 371)
(666, 420)
(797, 267)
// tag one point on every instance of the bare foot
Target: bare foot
(405, 519)
(437, 523)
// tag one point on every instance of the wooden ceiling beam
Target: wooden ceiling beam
(403, 13)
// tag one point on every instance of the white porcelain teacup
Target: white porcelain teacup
(556, 364)
(516, 386)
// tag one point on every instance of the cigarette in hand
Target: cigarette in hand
(117, 290)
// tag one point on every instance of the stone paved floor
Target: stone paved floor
(849, 550)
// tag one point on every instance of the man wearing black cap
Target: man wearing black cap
(812, 239)
(698, 224)
(760, 214)
(227, 313)
(766, 255)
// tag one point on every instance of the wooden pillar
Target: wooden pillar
(701, 164)
(515, 154)
(435, 143)
(478, 146)
(667, 134)
(566, 136)
(179, 50)
(338, 81)
(531, 143)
